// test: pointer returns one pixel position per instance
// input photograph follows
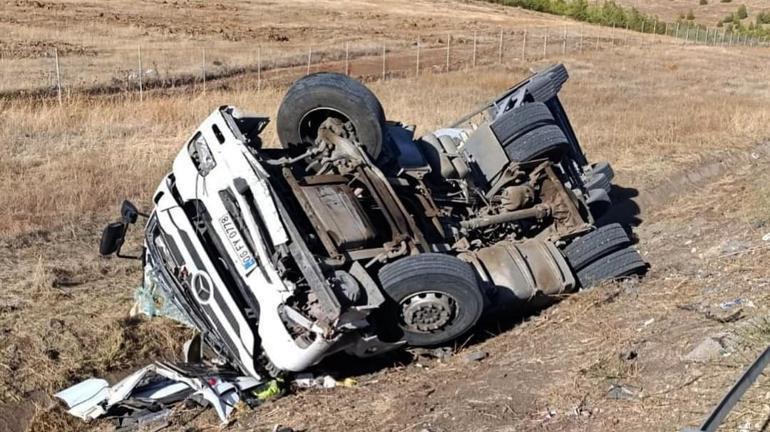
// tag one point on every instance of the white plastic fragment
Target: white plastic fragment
(84, 399)
(93, 397)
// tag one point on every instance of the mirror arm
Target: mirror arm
(117, 252)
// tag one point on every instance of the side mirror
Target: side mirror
(112, 238)
(129, 212)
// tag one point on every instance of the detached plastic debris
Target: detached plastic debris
(308, 380)
(145, 394)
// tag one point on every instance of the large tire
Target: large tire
(520, 120)
(419, 289)
(547, 84)
(545, 140)
(598, 181)
(616, 265)
(596, 244)
(605, 168)
(316, 97)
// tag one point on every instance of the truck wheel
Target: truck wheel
(605, 168)
(434, 298)
(316, 97)
(596, 244)
(598, 181)
(545, 140)
(520, 120)
(616, 265)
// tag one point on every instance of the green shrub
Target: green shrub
(703, 2)
(609, 13)
(742, 12)
(726, 1)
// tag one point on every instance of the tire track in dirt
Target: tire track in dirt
(711, 168)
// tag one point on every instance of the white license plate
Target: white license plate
(236, 242)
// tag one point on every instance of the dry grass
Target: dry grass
(98, 42)
(649, 115)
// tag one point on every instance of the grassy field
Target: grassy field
(650, 115)
(98, 42)
(656, 112)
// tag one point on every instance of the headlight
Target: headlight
(201, 155)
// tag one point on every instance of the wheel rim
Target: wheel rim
(428, 311)
(311, 121)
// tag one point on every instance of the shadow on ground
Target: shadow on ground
(625, 209)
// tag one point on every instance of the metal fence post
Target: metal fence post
(612, 35)
(418, 57)
(500, 48)
(524, 46)
(545, 44)
(580, 47)
(383, 62)
(347, 58)
(58, 75)
(448, 49)
(203, 70)
(259, 69)
(141, 76)
(564, 42)
(475, 35)
(309, 56)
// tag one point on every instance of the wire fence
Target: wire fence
(134, 71)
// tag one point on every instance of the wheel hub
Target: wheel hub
(427, 311)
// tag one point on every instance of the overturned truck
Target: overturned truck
(356, 236)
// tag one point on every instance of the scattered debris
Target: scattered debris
(550, 413)
(766, 237)
(734, 247)
(631, 355)
(440, 353)
(729, 311)
(620, 392)
(475, 356)
(645, 324)
(308, 380)
(708, 349)
(737, 302)
(143, 395)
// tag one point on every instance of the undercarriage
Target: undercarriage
(357, 236)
